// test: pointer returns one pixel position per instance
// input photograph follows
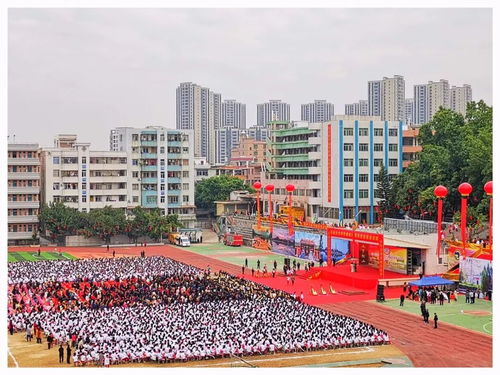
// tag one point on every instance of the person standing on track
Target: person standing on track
(401, 300)
(68, 354)
(435, 320)
(61, 354)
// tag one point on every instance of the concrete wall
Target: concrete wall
(94, 241)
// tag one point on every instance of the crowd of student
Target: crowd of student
(163, 310)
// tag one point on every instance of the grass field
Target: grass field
(477, 316)
(237, 255)
(20, 256)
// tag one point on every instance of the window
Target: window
(84, 173)
(347, 146)
(84, 160)
(363, 132)
(363, 147)
(348, 162)
(377, 162)
(135, 186)
(84, 198)
(135, 174)
(363, 193)
(55, 160)
(393, 162)
(378, 132)
(378, 147)
(84, 186)
(363, 178)
(162, 199)
(363, 162)
(185, 174)
(375, 177)
(348, 131)
(393, 146)
(348, 194)
(162, 150)
(135, 199)
(135, 162)
(185, 198)
(185, 186)
(393, 132)
(348, 178)
(56, 173)
(55, 186)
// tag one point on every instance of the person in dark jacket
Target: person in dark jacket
(435, 320)
(68, 354)
(61, 354)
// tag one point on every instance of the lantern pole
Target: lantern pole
(465, 189)
(440, 192)
(290, 188)
(488, 188)
(257, 186)
(269, 189)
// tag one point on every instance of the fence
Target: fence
(412, 226)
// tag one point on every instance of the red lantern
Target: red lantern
(269, 187)
(488, 187)
(440, 191)
(257, 185)
(465, 189)
(290, 188)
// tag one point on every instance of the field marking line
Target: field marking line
(484, 327)
(13, 358)
(280, 358)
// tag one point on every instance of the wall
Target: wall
(94, 241)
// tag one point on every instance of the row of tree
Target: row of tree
(455, 149)
(57, 221)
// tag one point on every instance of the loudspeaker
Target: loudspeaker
(380, 293)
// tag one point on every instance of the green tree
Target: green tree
(138, 226)
(159, 225)
(106, 222)
(57, 221)
(384, 192)
(217, 188)
(455, 149)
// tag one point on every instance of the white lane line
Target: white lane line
(484, 327)
(13, 358)
(251, 360)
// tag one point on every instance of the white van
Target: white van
(184, 241)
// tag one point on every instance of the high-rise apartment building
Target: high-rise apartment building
(274, 110)
(233, 115)
(318, 111)
(386, 98)
(357, 109)
(409, 110)
(82, 178)
(227, 138)
(438, 95)
(199, 109)
(23, 192)
(160, 168)
(420, 112)
(334, 165)
(460, 97)
(259, 133)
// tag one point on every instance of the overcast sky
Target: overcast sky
(86, 71)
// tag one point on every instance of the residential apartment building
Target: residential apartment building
(334, 165)
(202, 170)
(438, 95)
(259, 133)
(249, 148)
(318, 111)
(357, 109)
(23, 192)
(233, 115)
(460, 97)
(386, 98)
(274, 110)
(420, 111)
(409, 111)
(82, 178)
(161, 168)
(199, 109)
(226, 138)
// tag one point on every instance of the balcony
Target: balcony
(21, 161)
(149, 168)
(20, 219)
(67, 167)
(296, 157)
(173, 192)
(149, 143)
(24, 190)
(315, 155)
(114, 204)
(147, 155)
(115, 191)
(172, 155)
(97, 179)
(25, 204)
(174, 143)
(23, 175)
(149, 180)
(174, 180)
(174, 168)
(289, 145)
(107, 166)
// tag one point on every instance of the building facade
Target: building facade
(82, 178)
(420, 113)
(274, 110)
(318, 111)
(386, 98)
(460, 97)
(227, 139)
(375, 98)
(259, 133)
(23, 193)
(160, 169)
(334, 165)
(411, 145)
(409, 111)
(357, 109)
(199, 109)
(438, 95)
(234, 115)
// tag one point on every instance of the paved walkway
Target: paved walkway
(446, 346)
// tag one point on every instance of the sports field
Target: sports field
(237, 255)
(477, 316)
(32, 256)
